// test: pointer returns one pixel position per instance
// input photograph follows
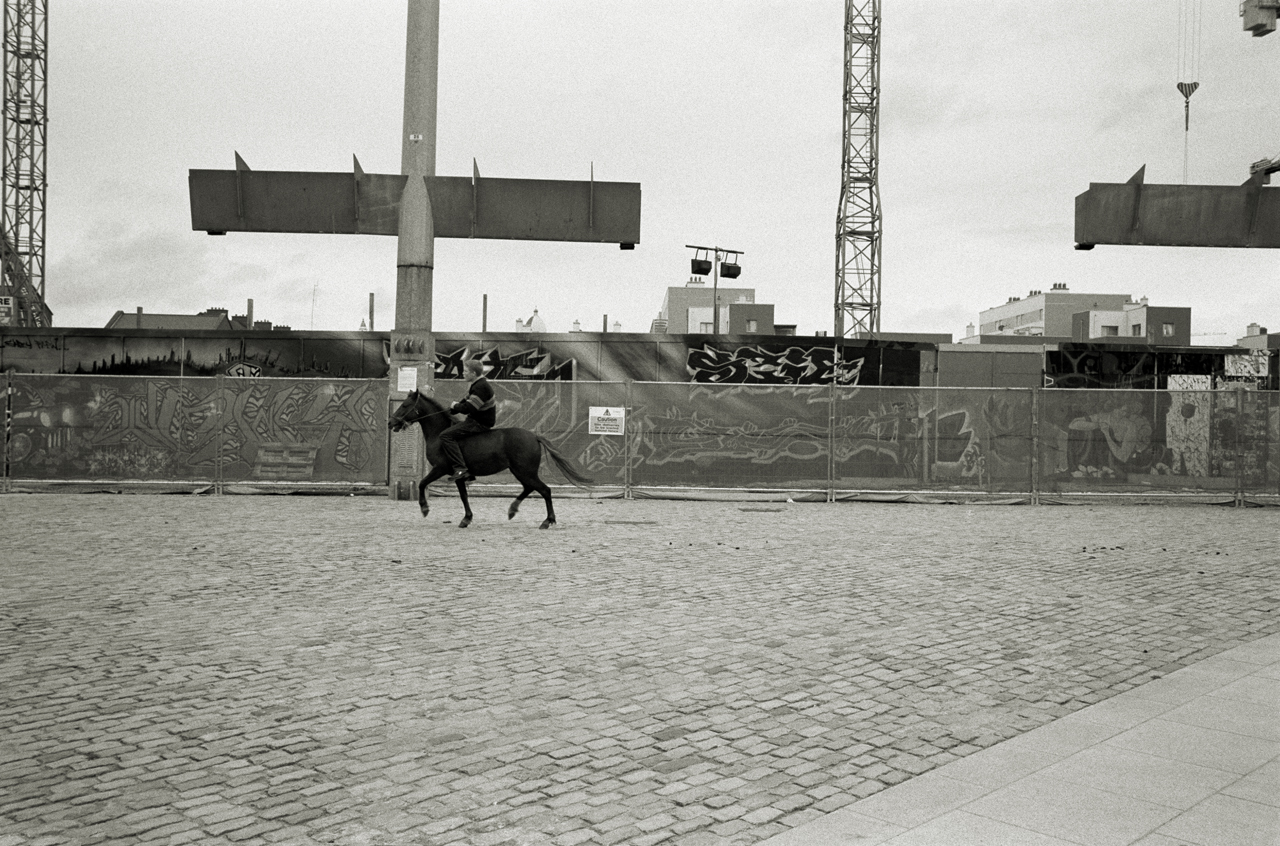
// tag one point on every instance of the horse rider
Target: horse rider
(481, 412)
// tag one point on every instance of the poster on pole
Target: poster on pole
(607, 420)
(407, 379)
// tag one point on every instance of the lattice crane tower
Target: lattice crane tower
(857, 303)
(26, 32)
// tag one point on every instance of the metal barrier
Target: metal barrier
(819, 440)
(214, 430)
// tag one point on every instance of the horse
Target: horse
(486, 453)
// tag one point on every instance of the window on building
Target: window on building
(1110, 330)
(753, 326)
(1167, 330)
(705, 326)
(1137, 329)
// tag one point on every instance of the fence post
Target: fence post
(924, 439)
(831, 434)
(1035, 445)
(1240, 428)
(219, 393)
(626, 442)
(4, 435)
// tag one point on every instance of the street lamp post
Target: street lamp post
(715, 266)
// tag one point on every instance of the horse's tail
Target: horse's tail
(564, 466)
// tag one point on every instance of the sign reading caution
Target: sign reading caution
(607, 421)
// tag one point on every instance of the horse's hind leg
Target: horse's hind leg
(541, 487)
(466, 505)
(515, 506)
(529, 478)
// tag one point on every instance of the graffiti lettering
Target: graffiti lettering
(526, 364)
(763, 366)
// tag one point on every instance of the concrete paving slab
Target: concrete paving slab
(1077, 813)
(1197, 745)
(1227, 819)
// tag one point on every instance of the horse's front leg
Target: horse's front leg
(436, 473)
(466, 505)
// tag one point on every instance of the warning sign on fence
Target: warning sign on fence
(607, 421)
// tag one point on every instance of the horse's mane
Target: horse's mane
(430, 401)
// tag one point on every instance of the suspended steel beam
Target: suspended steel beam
(1135, 213)
(244, 200)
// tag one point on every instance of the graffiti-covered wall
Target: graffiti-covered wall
(576, 356)
(1187, 437)
(621, 357)
(1190, 438)
(196, 429)
(1141, 366)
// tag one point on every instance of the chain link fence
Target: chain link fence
(651, 438)
(212, 430)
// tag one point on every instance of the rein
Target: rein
(422, 417)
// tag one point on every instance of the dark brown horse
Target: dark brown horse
(517, 450)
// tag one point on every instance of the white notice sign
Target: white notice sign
(607, 421)
(407, 379)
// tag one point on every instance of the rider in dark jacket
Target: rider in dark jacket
(481, 413)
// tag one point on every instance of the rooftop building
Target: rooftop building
(210, 318)
(1045, 313)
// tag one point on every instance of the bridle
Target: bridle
(410, 421)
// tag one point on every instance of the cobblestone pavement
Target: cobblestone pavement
(256, 670)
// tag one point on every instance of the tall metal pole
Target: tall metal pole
(415, 255)
(715, 295)
(715, 279)
(412, 345)
(857, 289)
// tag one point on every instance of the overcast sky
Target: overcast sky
(994, 116)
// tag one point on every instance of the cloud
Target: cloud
(112, 268)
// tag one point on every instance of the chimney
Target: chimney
(1253, 329)
(371, 310)
(968, 331)
(249, 315)
(617, 327)
(577, 326)
(138, 319)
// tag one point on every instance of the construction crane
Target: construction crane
(857, 300)
(22, 300)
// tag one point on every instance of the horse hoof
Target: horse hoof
(464, 522)
(547, 524)
(511, 512)
(426, 511)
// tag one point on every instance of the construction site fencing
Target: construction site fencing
(216, 430)
(814, 440)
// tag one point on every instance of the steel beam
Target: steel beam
(244, 200)
(1134, 213)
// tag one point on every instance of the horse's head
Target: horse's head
(415, 408)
